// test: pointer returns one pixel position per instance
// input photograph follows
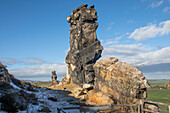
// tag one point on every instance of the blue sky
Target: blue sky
(34, 35)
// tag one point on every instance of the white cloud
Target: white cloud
(156, 3)
(166, 9)
(138, 54)
(124, 50)
(25, 61)
(112, 41)
(151, 31)
(44, 69)
(110, 26)
(155, 57)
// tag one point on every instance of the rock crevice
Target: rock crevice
(122, 81)
(85, 48)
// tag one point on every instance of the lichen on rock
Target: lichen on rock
(124, 82)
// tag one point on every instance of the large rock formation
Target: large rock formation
(85, 48)
(114, 82)
(122, 82)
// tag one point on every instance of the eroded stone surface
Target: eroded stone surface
(4, 74)
(85, 48)
(122, 81)
(54, 78)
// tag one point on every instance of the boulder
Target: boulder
(100, 98)
(122, 81)
(152, 107)
(88, 86)
(85, 48)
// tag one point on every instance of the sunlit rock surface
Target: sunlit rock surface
(85, 48)
(121, 81)
(4, 74)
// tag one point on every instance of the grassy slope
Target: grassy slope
(155, 83)
(159, 94)
(41, 84)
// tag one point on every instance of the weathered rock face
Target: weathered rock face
(54, 78)
(12, 99)
(4, 74)
(123, 82)
(85, 48)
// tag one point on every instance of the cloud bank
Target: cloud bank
(41, 72)
(44, 69)
(151, 31)
(138, 54)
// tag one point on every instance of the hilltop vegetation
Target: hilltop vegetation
(41, 84)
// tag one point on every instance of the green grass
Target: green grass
(155, 83)
(41, 84)
(159, 95)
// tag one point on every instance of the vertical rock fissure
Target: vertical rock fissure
(85, 48)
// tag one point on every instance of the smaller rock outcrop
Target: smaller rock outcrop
(54, 78)
(14, 94)
(4, 74)
(122, 82)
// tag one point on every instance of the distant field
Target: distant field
(159, 94)
(158, 83)
(41, 84)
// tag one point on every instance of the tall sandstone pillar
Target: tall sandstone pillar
(85, 48)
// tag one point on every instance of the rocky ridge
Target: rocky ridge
(21, 97)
